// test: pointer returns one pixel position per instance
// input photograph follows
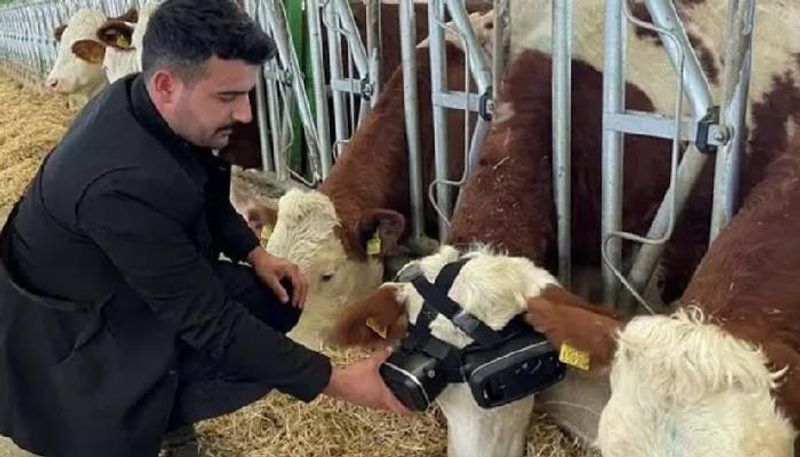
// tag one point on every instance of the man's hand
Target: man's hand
(361, 384)
(273, 269)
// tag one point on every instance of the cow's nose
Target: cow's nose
(51, 83)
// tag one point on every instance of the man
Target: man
(118, 321)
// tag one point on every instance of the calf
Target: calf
(721, 376)
(340, 233)
(77, 71)
(492, 288)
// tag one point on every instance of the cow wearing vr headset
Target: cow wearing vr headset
(455, 319)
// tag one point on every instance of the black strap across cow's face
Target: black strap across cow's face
(437, 302)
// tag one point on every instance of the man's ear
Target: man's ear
(377, 319)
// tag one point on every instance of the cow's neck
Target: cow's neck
(476, 432)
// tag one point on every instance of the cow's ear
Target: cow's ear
(377, 233)
(261, 219)
(89, 50)
(132, 15)
(584, 334)
(117, 34)
(377, 319)
(59, 31)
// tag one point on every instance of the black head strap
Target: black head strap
(435, 297)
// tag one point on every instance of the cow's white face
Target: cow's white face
(493, 288)
(682, 387)
(306, 233)
(70, 73)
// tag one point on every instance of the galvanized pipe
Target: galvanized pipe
(320, 92)
(436, 12)
(263, 124)
(479, 66)
(335, 69)
(276, 15)
(613, 103)
(374, 46)
(695, 82)
(562, 116)
(408, 34)
(275, 125)
(501, 43)
(699, 96)
(353, 37)
(736, 83)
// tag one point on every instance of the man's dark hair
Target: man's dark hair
(183, 34)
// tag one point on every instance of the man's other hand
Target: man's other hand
(272, 270)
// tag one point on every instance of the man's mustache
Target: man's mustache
(230, 126)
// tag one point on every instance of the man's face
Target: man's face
(210, 104)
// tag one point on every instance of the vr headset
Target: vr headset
(499, 366)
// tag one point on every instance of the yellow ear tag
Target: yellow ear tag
(266, 231)
(374, 245)
(123, 41)
(574, 357)
(376, 327)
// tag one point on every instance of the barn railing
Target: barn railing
(28, 48)
(707, 128)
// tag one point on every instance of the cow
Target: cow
(77, 71)
(340, 233)
(492, 287)
(772, 105)
(651, 72)
(123, 39)
(721, 375)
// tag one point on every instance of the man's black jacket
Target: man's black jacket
(107, 264)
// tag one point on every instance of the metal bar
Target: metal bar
(335, 69)
(562, 116)
(476, 144)
(699, 96)
(346, 85)
(275, 126)
(695, 82)
(374, 47)
(353, 37)
(478, 64)
(408, 26)
(318, 78)
(736, 83)
(263, 125)
(613, 103)
(436, 12)
(501, 43)
(650, 124)
(454, 99)
(276, 15)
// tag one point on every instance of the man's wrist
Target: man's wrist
(257, 255)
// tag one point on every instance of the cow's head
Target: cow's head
(80, 55)
(491, 287)
(343, 260)
(682, 385)
(123, 37)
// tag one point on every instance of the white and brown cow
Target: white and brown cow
(493, 288)
(77, 71)
(721, 376)
(340, 233)
(123, 39)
